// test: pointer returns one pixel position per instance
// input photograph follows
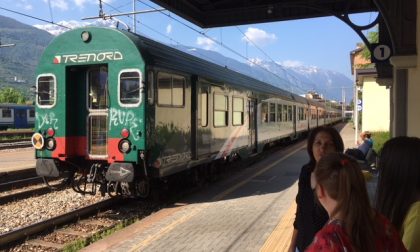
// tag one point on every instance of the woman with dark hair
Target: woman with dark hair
(398, 191)
(310, 217)
(353, 225)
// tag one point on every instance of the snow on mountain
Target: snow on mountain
(72, 24)
(295, 78)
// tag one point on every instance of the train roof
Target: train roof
(13, 105)
(165, 56)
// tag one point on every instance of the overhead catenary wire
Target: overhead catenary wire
(33, 17)
(219, 43)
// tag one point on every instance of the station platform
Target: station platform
(252, 213)
(17, 159)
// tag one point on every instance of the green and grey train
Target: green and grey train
(118, 109)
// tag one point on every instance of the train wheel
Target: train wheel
(143, 188)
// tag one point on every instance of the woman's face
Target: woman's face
(323, 144)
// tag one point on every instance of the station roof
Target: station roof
(217, 13)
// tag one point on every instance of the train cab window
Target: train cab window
(264, 112)
(6, 113)
(170, 90)
(98, 88)
(238, 111)
(272, 117)
(129, 88)
(220, 110)
(279, 113)
(32, 113)
(46, 85)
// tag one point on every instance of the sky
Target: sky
(322, 42)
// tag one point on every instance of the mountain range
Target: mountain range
(18, 63)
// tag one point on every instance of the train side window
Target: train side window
(6, 113)
(204, 108)
(178, 84)
(170, 90)
(290, 113)
(272, 112)
(238, 111)
(285, 113)
(220, 110)
(32, 113)
(129, 88)
(279, 113)
(264, 112)
(46, 90)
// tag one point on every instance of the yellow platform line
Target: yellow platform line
(280, 238)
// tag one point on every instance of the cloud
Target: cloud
(59, 4)
(168, 29)
(259, 37)
(82, 3)
(291, 63)
(206, 43)
(24, 5)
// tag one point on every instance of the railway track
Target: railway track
(14, 144)
(25, 232)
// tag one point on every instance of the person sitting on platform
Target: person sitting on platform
(353, 225)
(361, 152)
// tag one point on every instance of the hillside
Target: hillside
(18, 63)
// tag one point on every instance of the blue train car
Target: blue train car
(16, 116)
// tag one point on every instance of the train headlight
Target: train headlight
(50, 143)
(85, 36)
(37, 141)
(124, 146)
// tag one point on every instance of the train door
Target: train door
(203, 125)
(252, 105)
(97, 111)
(20, 118)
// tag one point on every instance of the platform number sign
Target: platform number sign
(380, 52)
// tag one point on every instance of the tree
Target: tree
(373, 37)
(11, 95)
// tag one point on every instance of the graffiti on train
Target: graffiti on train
(48, 120)
(127, 118)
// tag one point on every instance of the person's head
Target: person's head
(340, 187)
(399, 178)
(323, 140)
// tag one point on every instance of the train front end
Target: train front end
(90, 113)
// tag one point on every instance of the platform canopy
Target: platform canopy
(217, 13)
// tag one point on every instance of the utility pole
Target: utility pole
(343, 103)
(355, 111)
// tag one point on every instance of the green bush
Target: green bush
(379, 138)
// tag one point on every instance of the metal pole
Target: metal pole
(343, 103)
(355, 112)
